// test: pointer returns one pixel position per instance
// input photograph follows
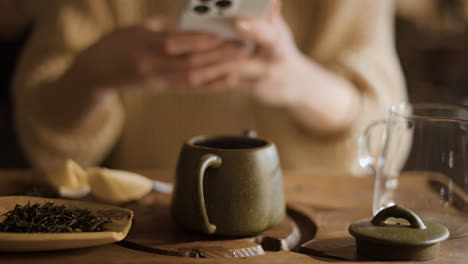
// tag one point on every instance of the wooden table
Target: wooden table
(332, 201)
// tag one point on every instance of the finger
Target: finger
(188, 42)
(233, 79)
(207, 78)
(226, 81)
(260, 31)
(275, 10)
(198, 78)
(227, 52)
(175, 82)
(158, 24)
(253, 69)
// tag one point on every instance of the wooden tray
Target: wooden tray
(154, 231)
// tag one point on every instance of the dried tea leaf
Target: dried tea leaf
(51, 218)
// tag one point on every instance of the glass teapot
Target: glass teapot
(420, 161)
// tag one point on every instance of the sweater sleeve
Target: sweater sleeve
(356, 40)
(62, 31)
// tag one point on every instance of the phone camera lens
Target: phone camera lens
(224, 3)
(201, 9)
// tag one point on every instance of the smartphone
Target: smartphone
(217, 16)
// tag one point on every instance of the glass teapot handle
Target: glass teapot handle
(366, 159)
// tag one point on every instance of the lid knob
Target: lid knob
(397, 211)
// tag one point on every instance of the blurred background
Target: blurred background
(431, 41)
(16, 22)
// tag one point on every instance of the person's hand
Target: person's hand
(150, 57)
(280, 75)
(269, 71)
(157, 57)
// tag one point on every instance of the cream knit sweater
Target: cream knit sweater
(353, 38)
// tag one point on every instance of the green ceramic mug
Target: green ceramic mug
(228, 185)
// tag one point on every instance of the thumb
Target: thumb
(260, 31)
(275, 10)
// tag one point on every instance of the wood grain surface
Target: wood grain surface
(331, 202)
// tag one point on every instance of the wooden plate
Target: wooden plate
(118, 229)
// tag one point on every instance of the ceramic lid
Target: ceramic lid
(417, 233)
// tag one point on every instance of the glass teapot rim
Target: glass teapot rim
(407, 111)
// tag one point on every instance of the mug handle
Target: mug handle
(366, 159)
(208, 160)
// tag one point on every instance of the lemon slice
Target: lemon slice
(117, 186)
(74, 193)
(69, 179)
